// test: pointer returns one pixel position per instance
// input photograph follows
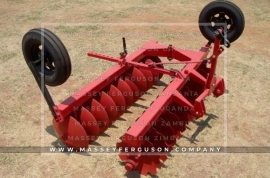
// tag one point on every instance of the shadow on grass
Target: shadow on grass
(202, 124)
(140, 106)
(50, 130)
(161, 83)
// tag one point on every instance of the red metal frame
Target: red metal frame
(193, 59)
(194, 76)
(172, 95)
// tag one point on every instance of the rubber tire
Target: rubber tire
(222, 6)
(53, 46)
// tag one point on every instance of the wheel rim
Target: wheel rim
(36, 53)
(219, 18)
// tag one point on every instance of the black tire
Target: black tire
(57, 64)
(221, 12)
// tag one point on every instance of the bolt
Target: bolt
(58, 114)
(213, 84)
(64, 137)
(218, 91)
(213, 56)
(196, 113)
(55, 108)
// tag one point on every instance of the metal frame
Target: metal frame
(194, 76)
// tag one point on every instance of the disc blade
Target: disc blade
(100, 114)
(148, 162)
(71, 133)
(122, 155)
(172, 120)
(181, 114)
(119, 99)
(109, 105)
(166, 131)
(156, 75)
(157, 141)
(139, 79)
(149, 77)
(157, 60)
(126, 92)
(156, 138)
(133, 86)
(89, 123)
(145, 162)
(145, 167)
(163, 157)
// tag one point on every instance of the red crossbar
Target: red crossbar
(152, 48)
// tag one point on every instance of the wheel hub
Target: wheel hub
(219, 18)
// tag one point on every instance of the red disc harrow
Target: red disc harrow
(81, 118)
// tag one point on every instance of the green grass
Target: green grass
(134, 8)
(77, 29)
(103, 14)
(150, 1)
(122, 14)
(32, 16)
(67, 29)
(9, 56)
(109, 14)
(244, 69)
